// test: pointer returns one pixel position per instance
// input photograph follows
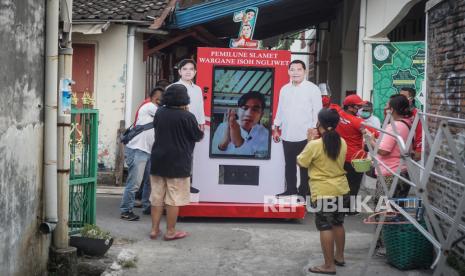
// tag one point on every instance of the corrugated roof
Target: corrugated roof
(104, 10)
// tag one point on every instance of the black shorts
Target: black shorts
(325, 220)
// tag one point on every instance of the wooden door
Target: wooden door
(83, 70)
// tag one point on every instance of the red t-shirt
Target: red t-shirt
(417, 142)
(349, 128)
(326, 100)
(137, 112)
(335, 107)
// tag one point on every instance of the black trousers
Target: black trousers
(291, 150)
(354, 178)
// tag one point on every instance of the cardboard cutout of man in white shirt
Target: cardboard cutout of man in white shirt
(297, 113)
(187, 73)
(298, 107)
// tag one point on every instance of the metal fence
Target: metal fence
(83, 175)
(443, 239)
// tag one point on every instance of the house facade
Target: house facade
(108, 64)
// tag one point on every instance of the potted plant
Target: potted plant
(92, 241)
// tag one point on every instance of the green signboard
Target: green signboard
(397, 65)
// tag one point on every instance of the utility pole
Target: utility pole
(65, 59)
(62, 255)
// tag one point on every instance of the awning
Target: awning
(275, 17)
(212, 10)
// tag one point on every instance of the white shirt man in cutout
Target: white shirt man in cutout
(298, 107)
(187, 69)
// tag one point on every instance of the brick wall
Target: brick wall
(446, 96)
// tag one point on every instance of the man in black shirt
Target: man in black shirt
(176, 131)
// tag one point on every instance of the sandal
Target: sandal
(338, 263)
(318, 270)
(178, 235)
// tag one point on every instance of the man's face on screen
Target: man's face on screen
(250, 114)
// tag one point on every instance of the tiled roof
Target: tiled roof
(103, 10)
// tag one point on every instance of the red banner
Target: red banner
(208, 57)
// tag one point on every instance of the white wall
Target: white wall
(139, 74)
(110, 84)
(384, 15)
(24, 251)
(296, 46)
(381, 17)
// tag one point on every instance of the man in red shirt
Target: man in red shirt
(350, 129)
(141, 196)
(326, 101)
(156, 92)
(417, 141)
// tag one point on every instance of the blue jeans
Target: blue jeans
(137, 162)
(146, 188)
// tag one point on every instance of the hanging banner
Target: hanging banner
(397, 65)
(248, 18)
(64, 104)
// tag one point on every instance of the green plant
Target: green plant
(128, 264)
(94, 232)
(285, 42)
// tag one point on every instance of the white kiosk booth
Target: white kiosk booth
(237, 168)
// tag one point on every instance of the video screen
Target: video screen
(241, 112)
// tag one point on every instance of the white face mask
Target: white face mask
(363, 114)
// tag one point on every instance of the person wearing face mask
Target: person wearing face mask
(350, 129)
(242, 133)
(366, 113)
